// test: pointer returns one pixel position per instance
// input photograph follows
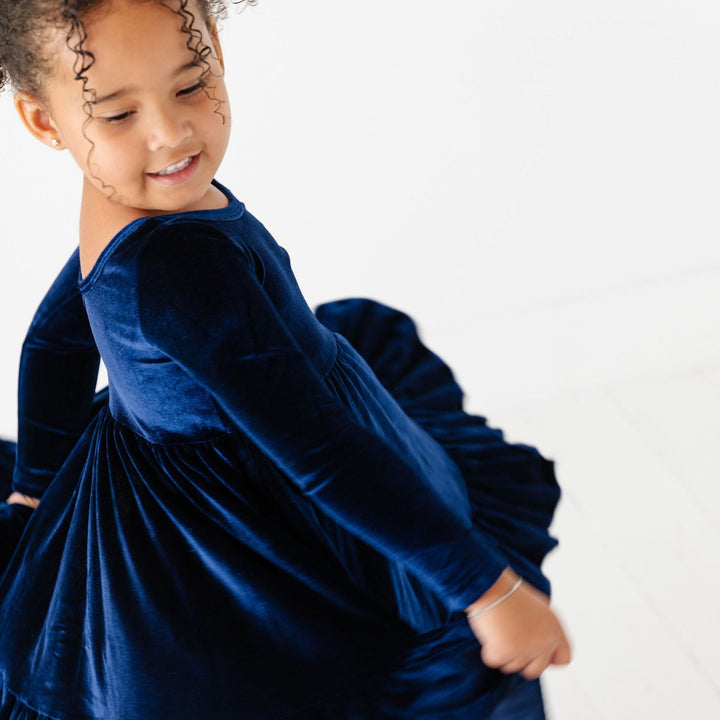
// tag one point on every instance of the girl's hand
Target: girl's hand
(521, 634)
(17, 497)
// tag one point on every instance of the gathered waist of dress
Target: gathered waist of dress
(187, 413)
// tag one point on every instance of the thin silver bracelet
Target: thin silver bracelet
(480, 611)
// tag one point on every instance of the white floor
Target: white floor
(637, 574)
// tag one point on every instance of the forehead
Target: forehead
(132, 38)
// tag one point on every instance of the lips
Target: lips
(178, 172)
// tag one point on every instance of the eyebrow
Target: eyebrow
(125, 91)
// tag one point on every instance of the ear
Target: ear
(215, 37)
(37, 120)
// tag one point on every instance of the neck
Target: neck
(99, 215)
(101, 219)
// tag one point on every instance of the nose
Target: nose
(168, 129)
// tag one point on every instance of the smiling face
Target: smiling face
(160, 121)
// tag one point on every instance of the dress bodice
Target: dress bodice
(204, 331)
(149, 392)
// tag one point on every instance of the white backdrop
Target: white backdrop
(506, 172)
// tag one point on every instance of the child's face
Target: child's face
(151, 117)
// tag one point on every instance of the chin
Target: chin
(173, 199)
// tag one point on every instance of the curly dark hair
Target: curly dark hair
(24, 24)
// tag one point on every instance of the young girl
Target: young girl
(268, 513)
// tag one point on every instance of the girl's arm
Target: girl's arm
(202, 305)
(58, 372)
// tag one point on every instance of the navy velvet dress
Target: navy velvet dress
(269, 513)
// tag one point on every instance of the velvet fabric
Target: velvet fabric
(269, 512)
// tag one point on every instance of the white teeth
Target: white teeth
(175, 168)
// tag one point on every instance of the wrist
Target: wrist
(503, 585)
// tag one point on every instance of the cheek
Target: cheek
(221, 125)
(214, 132)
(114, 156)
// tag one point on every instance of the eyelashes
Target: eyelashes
(200, 85)
(184, 93)
(115, 119)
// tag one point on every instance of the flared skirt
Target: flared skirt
(193, 579)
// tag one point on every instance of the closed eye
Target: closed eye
(117, 118)
(192, 90)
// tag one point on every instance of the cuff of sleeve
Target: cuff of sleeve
(31, 482)
(465, 569)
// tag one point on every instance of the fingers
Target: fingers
(529, 667)
(536, 668)
(560, 656)
(563, 653)
(492, 658)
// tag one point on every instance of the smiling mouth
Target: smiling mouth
(177, 167)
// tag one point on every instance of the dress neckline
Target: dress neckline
(233, 210)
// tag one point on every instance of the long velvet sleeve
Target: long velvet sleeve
(201, 304)
(58, 372)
